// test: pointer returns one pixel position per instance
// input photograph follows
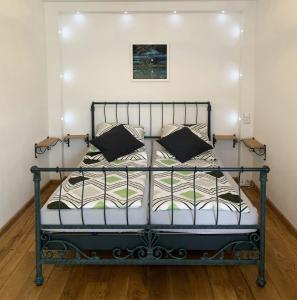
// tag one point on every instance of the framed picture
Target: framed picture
(150, 62)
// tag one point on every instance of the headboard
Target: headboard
(151, 113)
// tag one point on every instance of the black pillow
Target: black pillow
(116, 142)
(184, 144)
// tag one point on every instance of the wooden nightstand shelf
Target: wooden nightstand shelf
(45, 144)
(84, 137)
(255, 146)
(224, 137)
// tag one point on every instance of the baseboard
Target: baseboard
(279, 214)
(10, 222)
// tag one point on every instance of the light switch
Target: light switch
(246, 118)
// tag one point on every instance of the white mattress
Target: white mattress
(139, 216)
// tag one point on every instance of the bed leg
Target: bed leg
(261, 264)
(261, 269)
(36, 179)
(39, 277)
(261, 280)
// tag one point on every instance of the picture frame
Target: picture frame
(150, 61)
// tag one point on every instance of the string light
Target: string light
(68, 76)
(222, 16)
(65, 32)
(79, 17)
(236, 31)
(234, 75)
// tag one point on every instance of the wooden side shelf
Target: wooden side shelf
(45, 144)
(255, 146)
(84, 137)
(224, 137)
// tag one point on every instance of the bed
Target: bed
(149, 208)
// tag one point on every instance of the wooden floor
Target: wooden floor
(153, 282)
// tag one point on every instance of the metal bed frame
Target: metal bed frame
(149, 245)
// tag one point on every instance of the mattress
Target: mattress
(139, 216)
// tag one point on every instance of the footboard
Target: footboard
(150, 244)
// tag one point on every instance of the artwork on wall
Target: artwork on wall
(150, 61)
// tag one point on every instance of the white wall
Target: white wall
(276, 99)
(23, 100)
(204, 51)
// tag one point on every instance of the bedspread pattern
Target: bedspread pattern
(92, 184)
(183, 188)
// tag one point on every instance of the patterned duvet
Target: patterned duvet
(183, 186)
(91, 185)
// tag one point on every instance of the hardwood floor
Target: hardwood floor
(153, 282)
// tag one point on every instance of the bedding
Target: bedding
(91, 184)
(136, 131)
(183, 191)
(116, 142)
(139, 215)
(199, 129)
(208, 217)
(206, 155)
(184, 144)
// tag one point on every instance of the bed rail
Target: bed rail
(151, 244)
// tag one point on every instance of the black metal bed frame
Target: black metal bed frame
(150, 244)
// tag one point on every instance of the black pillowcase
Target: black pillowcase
(184, 144)
(116, 142)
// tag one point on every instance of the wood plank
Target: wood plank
(180, 284)
(158, 282)
(117, 286)
(29, 291)
(10, 263)
(138, 283)
(75, 136)
(16, 279)
(76, 283)
(96, 282)
(50, 141)
(54, 287)
(220, 283)
(252, 143)
(225, 137)
(200, 284)
(267, 293)
(237, 280)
